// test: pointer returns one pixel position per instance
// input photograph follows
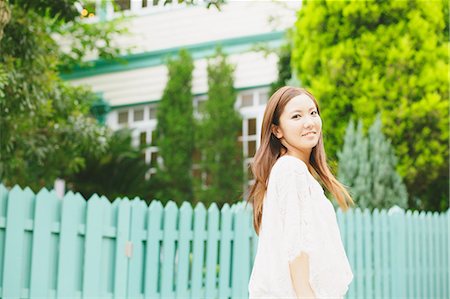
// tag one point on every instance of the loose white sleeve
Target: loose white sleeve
(295, 207)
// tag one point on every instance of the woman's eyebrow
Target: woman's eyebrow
(298, 110)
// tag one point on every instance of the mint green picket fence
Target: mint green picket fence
(70, 248)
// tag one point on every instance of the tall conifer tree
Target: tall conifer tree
(217, 136)
(367, 165)
(175, 133)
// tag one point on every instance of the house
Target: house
(133, 90)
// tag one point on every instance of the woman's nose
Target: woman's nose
(308, 122)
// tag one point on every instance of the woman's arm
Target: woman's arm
(300, 276)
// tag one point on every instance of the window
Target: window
(154, 137)
(251, 126)
(263, 98)
(144, 3)
(251, 148)
(138, 114)
(201, 106)
(247, 100)
(122, 5)
(153, 159)
(143, 138)
(123, 117)
(152, 114)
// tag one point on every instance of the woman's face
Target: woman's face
(300, 126)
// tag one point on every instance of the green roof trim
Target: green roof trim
(195, 95)
(155, 58)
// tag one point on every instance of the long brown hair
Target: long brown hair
(270, 150)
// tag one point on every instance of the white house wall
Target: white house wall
(197, 24)
(147, 84)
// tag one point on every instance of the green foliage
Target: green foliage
(46, 128)
(217, 135)
(120, 172)
(367, 166)
(364, 57)
(284, 68)
(175, 133)
(81, 39)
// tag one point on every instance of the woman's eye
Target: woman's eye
(295, 116)
(314, 112)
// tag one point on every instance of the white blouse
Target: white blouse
(297, 216)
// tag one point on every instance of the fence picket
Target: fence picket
(359, 258)
(197, 290)
(137, 236)
(377, 254)
(44, 217)
(385, 254)
(70, 262)
(351, 251)
(4, 193)
(154, 217)
(184, 250)
(211, 251)
(123, 211)
(367, 251)
(19, 205)
(93, 245)
(226, 238)
(168, 250)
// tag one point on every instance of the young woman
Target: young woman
(300, 252)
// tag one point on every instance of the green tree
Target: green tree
(175, 133)
(364, 57)
(367, 166)
(46, 126)
(217, 137)
(117, 173)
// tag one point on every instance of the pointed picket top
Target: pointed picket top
(200, 210)
(366, 213)
(376, 211)
(43, 192)
(155, 205)
(200, 205)
(116, 202)
(213, 208)
(186, 206)
(16, 188)
(170, 202)
(105, 200)
(137, 203)
(74, 196)
(171, 207)
(28, 189)
(94, 197)
(415, 213)
(239, 208)
(409, 213)
(78, 194)
(395, 209)
(126, 198)
(225, 207)
(358, 211)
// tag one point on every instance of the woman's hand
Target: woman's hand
(299, 269)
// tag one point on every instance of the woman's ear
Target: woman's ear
(277, 131)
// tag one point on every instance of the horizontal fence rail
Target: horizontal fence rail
(73, 248)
